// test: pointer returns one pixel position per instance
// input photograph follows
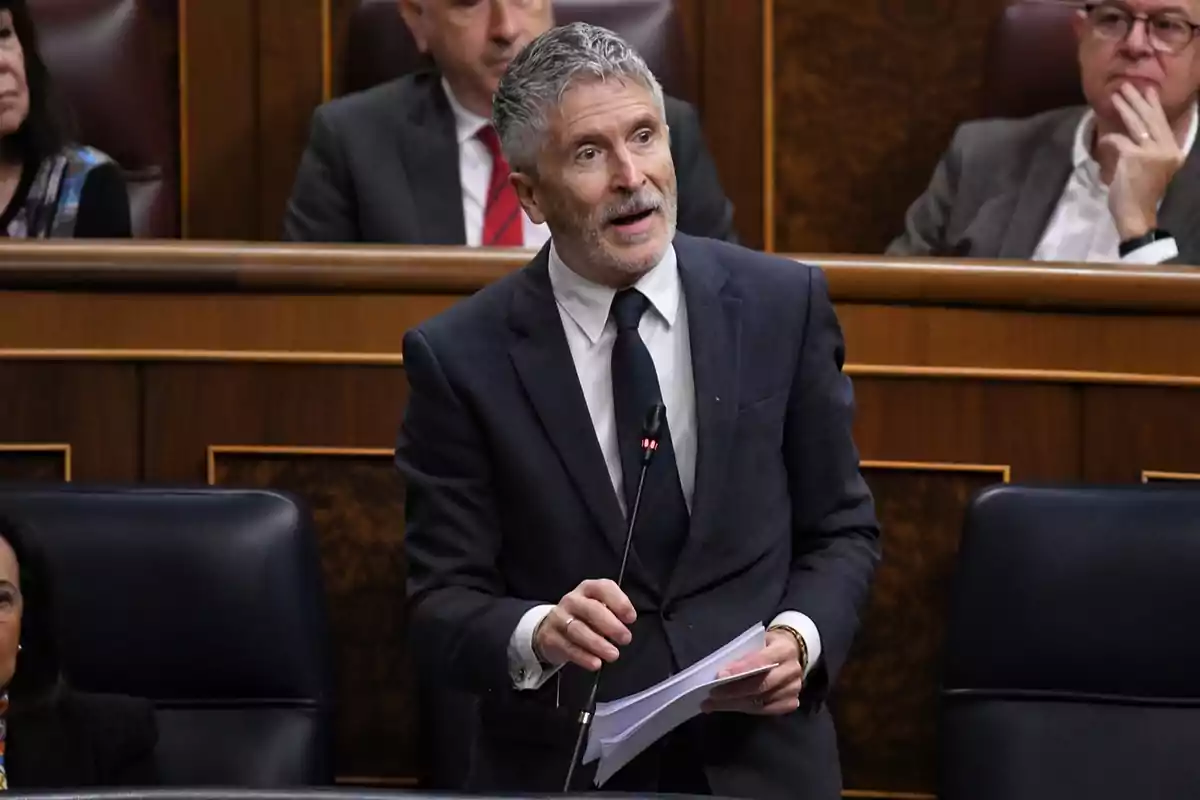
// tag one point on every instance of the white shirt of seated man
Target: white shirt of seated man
(1082, 228)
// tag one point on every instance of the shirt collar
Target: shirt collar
(588, 303)
(466, 122)
(1082, 155)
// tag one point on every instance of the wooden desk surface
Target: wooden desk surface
(276, 365)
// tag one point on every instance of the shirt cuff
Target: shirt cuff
(523, 666)
(807, 630)
(1153, 253)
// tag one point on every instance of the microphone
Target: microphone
(651, 434)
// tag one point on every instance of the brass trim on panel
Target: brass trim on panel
(264, 356)
(181, 11)
(326, 51)
(768, 100)
(215, 450)
(1020, 375)
(998, 374)
(1005, 470)
(1158, 475)
(40, 447)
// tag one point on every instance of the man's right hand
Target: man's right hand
(584, 625)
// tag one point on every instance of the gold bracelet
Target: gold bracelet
(801, 645)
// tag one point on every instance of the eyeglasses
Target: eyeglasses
(1167, 31)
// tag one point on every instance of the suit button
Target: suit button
(667, 614)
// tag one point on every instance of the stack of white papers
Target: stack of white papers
(623, 728)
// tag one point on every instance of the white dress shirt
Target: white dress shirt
(1082, 228)
(475, 171)
(583, 307)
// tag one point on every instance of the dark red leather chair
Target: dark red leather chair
(1032, 64)
(115, 65)
(380, 48)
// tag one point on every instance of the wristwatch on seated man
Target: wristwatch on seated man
(1149, 237)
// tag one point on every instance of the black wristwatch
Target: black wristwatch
(1129, 245)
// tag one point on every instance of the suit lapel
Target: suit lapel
(429, 151)
(547, 373)
(1045, 178)
(714, 327)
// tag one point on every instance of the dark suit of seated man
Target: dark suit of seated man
(1116, 182)
(415, 161)
(520, 445)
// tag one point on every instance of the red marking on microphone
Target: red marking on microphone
(649, 444)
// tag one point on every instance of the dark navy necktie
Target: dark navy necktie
(663, 517)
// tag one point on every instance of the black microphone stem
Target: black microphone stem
(585, 716)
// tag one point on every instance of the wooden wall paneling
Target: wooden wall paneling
(323, 432)
(732, 107)
(886, 699)
(1035, 428)
(915, 335)
(218, 74)
(64, 420)
(340, 12)
(291, 83)
(1129, 430)
(866, 97)
(356, 497)
(35, 462)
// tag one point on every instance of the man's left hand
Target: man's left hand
(774, 692)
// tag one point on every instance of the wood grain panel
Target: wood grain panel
(732, 110)
(290, 85)
(1129, 429)
(35, 462)
(867, 95)
(191, 406)
(92, 408)
(886, 699)
(357, 501)
(1035, 428)
(219, 118)
(339, 29)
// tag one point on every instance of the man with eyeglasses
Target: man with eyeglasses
(1116, 181)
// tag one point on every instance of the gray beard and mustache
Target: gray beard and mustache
(591, 228)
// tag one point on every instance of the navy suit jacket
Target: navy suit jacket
(510, 505)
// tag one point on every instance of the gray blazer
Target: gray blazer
(382, 166)
(995, 189)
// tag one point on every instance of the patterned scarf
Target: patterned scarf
(52, 205)
(3, 737)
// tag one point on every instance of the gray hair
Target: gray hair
(542, 73)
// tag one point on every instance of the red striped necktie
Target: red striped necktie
(502, 226)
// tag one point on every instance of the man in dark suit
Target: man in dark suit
(415, 160)
(520, 448)
(1116, 181)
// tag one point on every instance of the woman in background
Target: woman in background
(49, 188)
(51, 736)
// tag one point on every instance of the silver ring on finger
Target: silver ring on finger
(568, 625)
(1144, 135)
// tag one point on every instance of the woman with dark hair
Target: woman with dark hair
(49, 187)
(52, 736)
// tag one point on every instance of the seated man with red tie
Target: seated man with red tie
(416, 161)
